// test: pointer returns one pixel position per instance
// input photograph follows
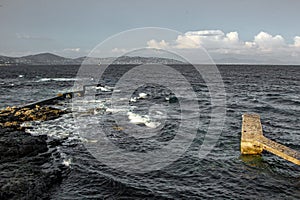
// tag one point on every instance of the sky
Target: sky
(256, 30)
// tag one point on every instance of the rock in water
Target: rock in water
(13, 117)
(27, 167)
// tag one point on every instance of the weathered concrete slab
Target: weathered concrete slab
(280, 150)
(251, 129)
(254, 142)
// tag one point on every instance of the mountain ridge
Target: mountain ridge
(53, 59)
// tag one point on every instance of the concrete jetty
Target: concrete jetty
(254, 142)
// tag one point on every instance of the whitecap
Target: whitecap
(138, 119)
(133, 99)
(115, 110)
(56, 79)
(143, 95)
(152, 124)
(67, 162)
(103, 89)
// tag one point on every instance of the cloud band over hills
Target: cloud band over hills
(263, 47)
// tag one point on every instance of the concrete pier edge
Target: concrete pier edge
(253, 141)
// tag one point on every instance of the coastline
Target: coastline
(30, 165)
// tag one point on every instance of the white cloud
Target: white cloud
(217, 39)
(210, 39)
(217, 43)
(72, 49)
(267, 42)
(250, 45)
(31, 37)
(157, 45)
(232, 37)
(195, 39)
(118, 50)
(187, 42)
(297, 41)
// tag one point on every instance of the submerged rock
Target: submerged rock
(17, 144)
(28, 169)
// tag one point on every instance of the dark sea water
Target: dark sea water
(271, 91)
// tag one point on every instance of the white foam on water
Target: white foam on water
(152, 124)
(133, 99)
(87, 101)
(143, 95)
(56, 79)
(67, 162)
(103, 89)
(123, 99)
(88, 110)
(60, 128)
(139, 119)
(116, 110)
(159, 112)
(87, 140)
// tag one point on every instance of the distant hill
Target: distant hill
(232, 60)
(45, 58)
(38, 59)
(52, 59)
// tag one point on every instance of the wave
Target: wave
(56, 79)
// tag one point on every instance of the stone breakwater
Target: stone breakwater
(30, 166)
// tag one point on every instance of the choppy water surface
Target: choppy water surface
(271, 91)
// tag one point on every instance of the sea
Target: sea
(272, 91)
